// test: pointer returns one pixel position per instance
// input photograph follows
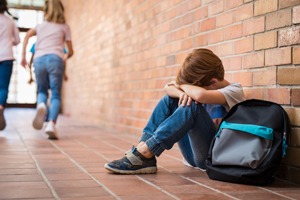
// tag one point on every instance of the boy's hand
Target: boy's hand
(184, 100)
(173, 83)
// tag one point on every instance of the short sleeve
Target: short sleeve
(16, 35)
(67, 33)
(233, 94)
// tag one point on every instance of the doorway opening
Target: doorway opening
(21, 92)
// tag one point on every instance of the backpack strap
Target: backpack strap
(285, 130)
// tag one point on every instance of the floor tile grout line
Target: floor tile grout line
(85, 171)
(55, 195)
(139, 177)
(157, 187)
(276, 193)
(208, 187)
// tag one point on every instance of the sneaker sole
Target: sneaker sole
(146, 170)
(51, 135)
(39, 118)
(2, 120)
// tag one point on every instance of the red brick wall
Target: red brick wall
(126, 50)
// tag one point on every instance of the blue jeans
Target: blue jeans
(190, 126)
(49, 71)
(6, 68)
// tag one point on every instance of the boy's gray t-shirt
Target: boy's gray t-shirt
(233, 94)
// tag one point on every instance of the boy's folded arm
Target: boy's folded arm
(172, 90)
(203, 95)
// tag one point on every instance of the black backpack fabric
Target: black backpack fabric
(249, 144)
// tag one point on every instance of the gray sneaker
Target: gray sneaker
(2, 119)
(133, 163)
(40, 116)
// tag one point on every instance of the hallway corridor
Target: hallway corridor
(33, 167)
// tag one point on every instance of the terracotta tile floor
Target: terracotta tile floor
(33, 167)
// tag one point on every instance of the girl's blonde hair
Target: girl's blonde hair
(54, 11)
(200, 67)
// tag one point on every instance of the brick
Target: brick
(280, 56)
(224, 19)
(288, 172)
(245, 78)
(228, 76)
(243, 12)
(216, 36)
(296, 55)
(232, 63)
(288, 3)
(292, 156)
(252, 26)
(206, 1)
(243, 45)
(187, 44)
(224, 49)
(232, 32)
(289, 36)
(296, 15)
(265, 76)
(278, 95)
(294, 116)
(232, 4)
(253, 60)
(201, 40)
(208, 24)
(265, 40)
(254, 93)
(216, 7)
(180, 58)
(295, 95)
(200, 13)
(264, 6)
(279, 19)
(289, 76)
(181, 8)
(171, 59)
(295, 137)
(196, 27)
(170, 14)
(184, 32)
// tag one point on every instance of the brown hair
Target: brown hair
(54, 11)
(3, 6)
(200, 67)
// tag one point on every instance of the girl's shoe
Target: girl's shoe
(40, 115)
(2, 119)
(51, 131)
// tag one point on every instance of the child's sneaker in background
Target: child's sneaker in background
(51, 131)
(2, 119)
(40, 115)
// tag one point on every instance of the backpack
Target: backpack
(249, 144)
